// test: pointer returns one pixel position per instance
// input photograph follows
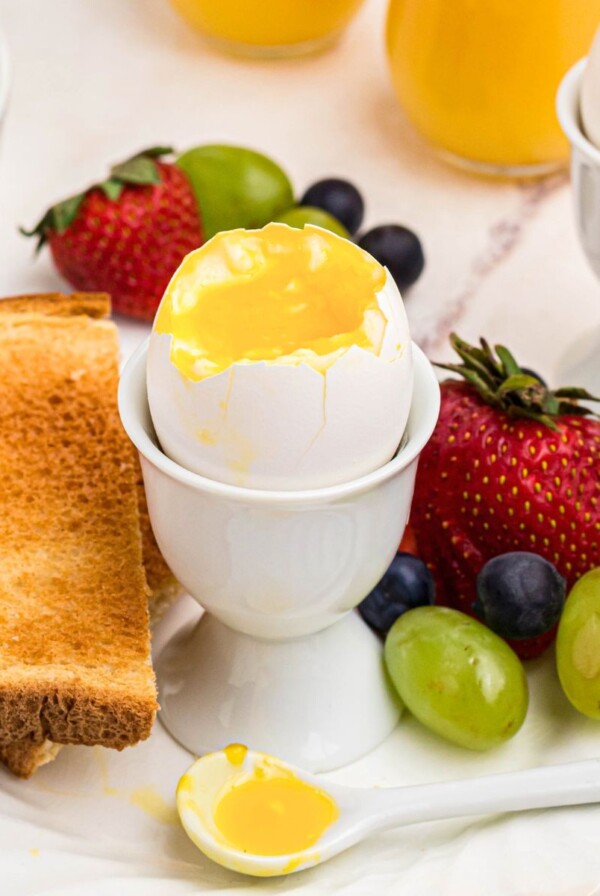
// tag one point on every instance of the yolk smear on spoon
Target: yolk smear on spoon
(277, 295)
(274, 814)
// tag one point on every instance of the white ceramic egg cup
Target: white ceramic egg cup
(582, 364)
(277, 661)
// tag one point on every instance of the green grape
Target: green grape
(578, 645)
(457, 677)
(306, 214)
(235, 186)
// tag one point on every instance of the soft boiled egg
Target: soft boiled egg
(280, 359)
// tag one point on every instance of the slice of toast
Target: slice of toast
(74, 643)
(24, 757)
(163, 585)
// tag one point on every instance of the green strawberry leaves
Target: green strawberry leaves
(57, 219)
(140, 170)
(502, 383)
(112, 188)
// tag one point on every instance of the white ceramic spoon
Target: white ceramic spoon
(364, 811)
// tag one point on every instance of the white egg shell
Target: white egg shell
(590, 94)
(277, 426)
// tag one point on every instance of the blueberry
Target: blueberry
(399, 249)
(519, 595)
(338, 197)
(406, 584)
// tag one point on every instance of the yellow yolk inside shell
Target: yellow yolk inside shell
(274, 813)
(276, 295)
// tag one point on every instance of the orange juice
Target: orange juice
(478, 78)
(269, 24)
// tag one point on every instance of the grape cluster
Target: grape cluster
(457, 675)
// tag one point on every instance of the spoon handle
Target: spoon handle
(571, 784)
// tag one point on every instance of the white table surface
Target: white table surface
(94, 80)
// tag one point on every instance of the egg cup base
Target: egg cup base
(321, 700)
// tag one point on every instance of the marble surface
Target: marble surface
(95, 80)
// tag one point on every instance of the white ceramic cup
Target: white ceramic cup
(585, 165)
(580, 364)
(277, 662)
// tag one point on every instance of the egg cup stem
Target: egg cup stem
(321, 700)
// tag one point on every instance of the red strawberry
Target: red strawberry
(127, 235)
(510, 466)
(409, 543)
(530, 648)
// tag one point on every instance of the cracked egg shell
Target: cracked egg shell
(288, 426)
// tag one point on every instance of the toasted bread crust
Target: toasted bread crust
(91, 304)
(74, 647)
(50, 706)
(164, 587)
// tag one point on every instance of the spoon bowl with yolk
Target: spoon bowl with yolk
(256, 814)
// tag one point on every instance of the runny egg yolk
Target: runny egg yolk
(274, 813)
(276, 294)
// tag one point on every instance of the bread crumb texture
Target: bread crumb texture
(24, 757)
(74, 644)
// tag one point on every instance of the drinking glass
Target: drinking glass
(271, 28)
(477, 78)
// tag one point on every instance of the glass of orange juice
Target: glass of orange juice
(478, 78)
(269, 28)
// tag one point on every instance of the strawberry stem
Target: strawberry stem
(502, 383)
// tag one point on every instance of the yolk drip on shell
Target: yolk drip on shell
(274, 813)
(271, 295)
